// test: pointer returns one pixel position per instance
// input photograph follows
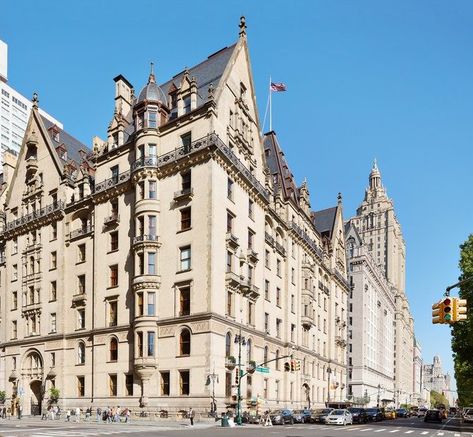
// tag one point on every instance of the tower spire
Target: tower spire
(375, 177)
(242, 26)
(152, 77)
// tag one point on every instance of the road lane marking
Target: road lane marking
(424, 432)
(395, 430)
(379, 430)
(456, 434)
(366, 429)
(409, 432)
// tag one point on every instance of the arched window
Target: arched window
(228, 344)
(249, 351)
(185, 342)
(113, 349)
(81, 353)
(265, 358)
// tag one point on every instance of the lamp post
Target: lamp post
(329, 372)
(379, 389)
(241, 341)
(213, 377)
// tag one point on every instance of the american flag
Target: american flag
(278, 87)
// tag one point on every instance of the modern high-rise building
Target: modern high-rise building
(142, 271)
(14, 110)
(380, 231)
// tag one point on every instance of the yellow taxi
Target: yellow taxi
(389, 413)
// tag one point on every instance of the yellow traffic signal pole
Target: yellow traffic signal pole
(458, 306)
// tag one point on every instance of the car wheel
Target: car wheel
(344, 422)
(292, 421)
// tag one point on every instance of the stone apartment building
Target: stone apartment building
(132, 273)
(380, 231)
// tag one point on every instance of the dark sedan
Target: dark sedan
(374, 414)
(359, 415)
(319, 416)
(402, 412)
(433, 416)
(301, 416)
(281, 417)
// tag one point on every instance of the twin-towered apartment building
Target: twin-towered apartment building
(134, 272)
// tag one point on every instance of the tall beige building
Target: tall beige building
(377, 224)
(135, 273)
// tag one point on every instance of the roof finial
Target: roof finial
(152, 78)
(242, 26)
(339, 198)
(35, 100)
(375, 164)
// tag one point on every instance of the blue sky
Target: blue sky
(365, 79)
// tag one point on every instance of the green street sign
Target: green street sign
(262, 369)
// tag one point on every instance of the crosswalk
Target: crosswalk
(84, 432)
(415, 432)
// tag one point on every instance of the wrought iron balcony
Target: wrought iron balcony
(81, 232)
(269, 239)
(112, 182)
(146, 238)
(145, 161)
(252, 255)
(35, 215)
(280, 249)
(302, 234)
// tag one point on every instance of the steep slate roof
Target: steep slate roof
(281, 174)
(205, 73)
(324, 220)
(72, 145)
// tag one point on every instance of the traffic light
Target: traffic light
(297, 365)
(459, 309)
(287, 367)
(447, 310)
(237, 376)
(437, 313)
(293, 365)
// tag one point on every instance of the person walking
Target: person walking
(191, 415)
(77, 414)
(68, 415)
(99, 414)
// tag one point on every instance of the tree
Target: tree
(462, 333)
(54, 394)
(438, 400)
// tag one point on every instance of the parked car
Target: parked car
(421, 412)
(250, 417)
(374, 414)
(301, 416)
(389, 413)
(319, 416)
(468, 415)
(339, 417)
(433, 416)
(280, 417)
(359, 415)
(402, 412)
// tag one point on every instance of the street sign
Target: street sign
(262, 369)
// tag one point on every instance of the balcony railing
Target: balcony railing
(280, 249)
(145, 161)
(183, 194)
(81, 232)
(113, 218)
(145, 238)
(303, 234)
(112, 182)
(269, 239)
(32, 216)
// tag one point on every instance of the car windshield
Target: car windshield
(298, 412)
(371, 410)
(355, 410)
(326, 410)
(469, 411)
(337, 412)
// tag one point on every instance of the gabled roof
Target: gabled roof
(324, 220)
(281, 174)
(72, 144)
(207, 72)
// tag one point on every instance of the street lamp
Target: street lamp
(329, 372)
(213, 377)
(241, 341)
(379, 389)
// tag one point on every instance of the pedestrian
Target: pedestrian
(127, 415)
(20, 411)
(88, 412)
(68, 415)
(190, 415)
(77, 414)
(52, 411)
(117, 414)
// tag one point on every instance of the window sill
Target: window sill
(184, 271)
(180, 231)
(80, 262)
(52, 300)
(80, 329)
(52, 269)
(110, 287)
(183, 356)
(52, 332)
(112, 251)
(112, 361)
(80, 364)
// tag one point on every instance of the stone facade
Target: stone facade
(434, 379)
(371, 327)
(380, 231)
(132, 273)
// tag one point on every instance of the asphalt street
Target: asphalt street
(411, 427)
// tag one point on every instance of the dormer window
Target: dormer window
(56, 136)
(31, 152)
(173, 100)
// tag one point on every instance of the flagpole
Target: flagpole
(266, 111)
(270, 107)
